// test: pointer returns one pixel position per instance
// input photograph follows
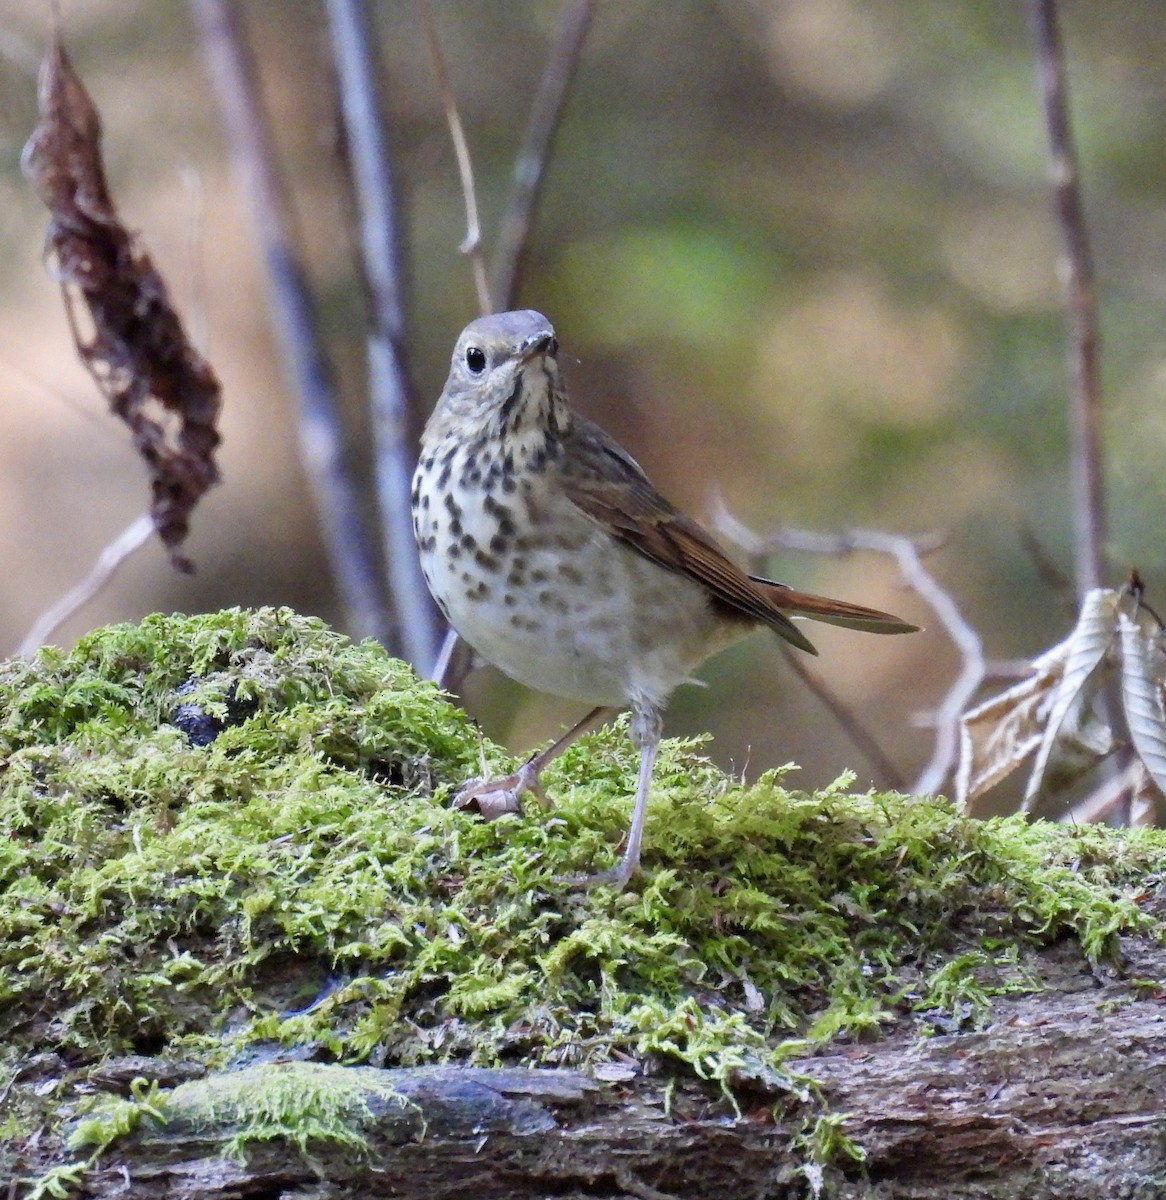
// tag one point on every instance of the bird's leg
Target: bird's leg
(493, 797)
(647, 727)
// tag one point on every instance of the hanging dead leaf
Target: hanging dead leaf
(1082, 741)
(1070, 720)
(997, 736)
(1147, 801)
(136, 349)
(1141, 697)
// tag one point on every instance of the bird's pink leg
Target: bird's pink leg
(494, 797)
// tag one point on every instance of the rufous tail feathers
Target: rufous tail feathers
(833, 612)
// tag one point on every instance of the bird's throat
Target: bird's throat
(527, 428)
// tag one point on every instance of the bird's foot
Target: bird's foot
(617, 877)
(494, 798)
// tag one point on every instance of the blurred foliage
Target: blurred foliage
(802, 251)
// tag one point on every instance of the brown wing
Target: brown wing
(606, 483)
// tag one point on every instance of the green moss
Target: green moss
(298, 1103)
(302, 878)
(303, 1105)
(59, 1182)
(109, 1118)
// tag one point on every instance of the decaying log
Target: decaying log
(1062, 1094)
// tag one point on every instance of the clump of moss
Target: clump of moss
(301, 878)
(293, 1102)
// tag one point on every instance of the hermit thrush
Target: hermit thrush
(549, 551)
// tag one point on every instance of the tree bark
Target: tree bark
(1061, 1094)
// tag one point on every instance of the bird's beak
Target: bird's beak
(536, 345)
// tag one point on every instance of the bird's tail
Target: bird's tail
(833, 612)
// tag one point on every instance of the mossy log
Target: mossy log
(247, 949)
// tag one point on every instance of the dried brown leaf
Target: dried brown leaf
(1142, 697)
(998, 735)
(136, 348)
(1082, 741)
(1073, 738)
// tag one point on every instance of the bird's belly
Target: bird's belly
(565, 608)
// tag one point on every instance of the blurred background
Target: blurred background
(798, 251)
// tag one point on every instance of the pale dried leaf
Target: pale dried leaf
(1087, 647)
(999, 734)
(1082, 741)
(1147, 805)
(1142, 699)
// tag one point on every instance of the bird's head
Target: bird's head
(504, 375)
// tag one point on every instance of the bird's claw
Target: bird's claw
(617, 878)
(494, 798)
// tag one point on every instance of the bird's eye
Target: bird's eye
(476, 359)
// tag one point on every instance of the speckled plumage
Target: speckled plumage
(550, 552)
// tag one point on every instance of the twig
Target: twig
(1086, 464)
(854, 729)
(1047, 570)
(530, 166)
(455, 658)
(907, 553)
(320, 426)
(472, 246)
(132, 538)
(375, 194)
(1085, 407)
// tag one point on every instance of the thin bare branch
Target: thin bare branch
(455, 658)
(1089, 516)
(472, 246)
(132, 538)
(1085, 416)
(346, 539)
(908, 554)
(848, 722)
(756, 545)
(530, 166)
(373, 179)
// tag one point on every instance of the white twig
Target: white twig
(358, 75)
(907, 553)
(319, 417)
(132, 538)
(440, 672)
